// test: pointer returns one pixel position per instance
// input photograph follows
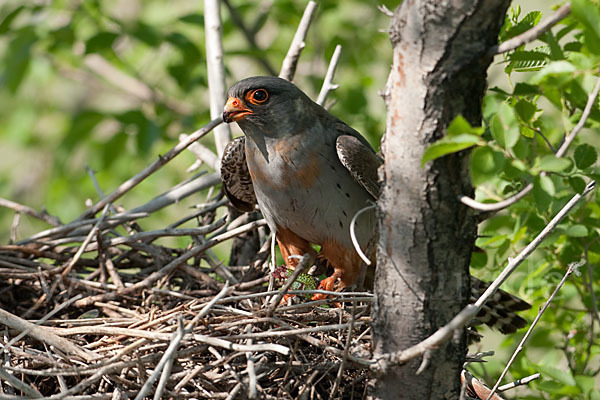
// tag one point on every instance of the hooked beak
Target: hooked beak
(234, 110)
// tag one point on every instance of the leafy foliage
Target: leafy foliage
(522, 130)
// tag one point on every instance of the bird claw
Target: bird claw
(326, 284)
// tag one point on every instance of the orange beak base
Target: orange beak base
(234, 110)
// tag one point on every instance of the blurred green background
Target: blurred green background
(110, 85)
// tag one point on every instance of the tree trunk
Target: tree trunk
(440, 58)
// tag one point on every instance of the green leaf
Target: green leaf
(559, 375)
(525, 89)
(194, 18)
(543, 190)
(529, 21)
(81, 128)
(460, 125)
(504, 126)
(485, 164)
(460, 135)
(577, 231)
(525, 110)
(554, 68)
(551, 163)
(585, 156)
(528, 60)
(547, 185)
(9, 18)
(448, 145)
(577, 183)
(17, 58)
(100, 42)
(588, 14)
(147, 34)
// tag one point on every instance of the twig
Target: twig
(252, 393)
(290, 61)
(533, 33)
(42, 320)
(20, 208)
(150, 236)
(166, 356)
(328, 84)
(340, 373)
(28, 390)
(533, 324)
(207, 307)
(87, 240)
(561, 151)
(169, 355)
(519, 382)
(162, 160)
(65, 229)
(215, 70)
(300, 268)
(584, 116)
(170, 266)
(44, 335)
(466, 314)
(203, 153)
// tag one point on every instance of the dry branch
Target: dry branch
(291, 59)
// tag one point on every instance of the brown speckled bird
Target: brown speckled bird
(310, 174)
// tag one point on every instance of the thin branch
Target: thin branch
(203, 153)
(561, 151)
(20, 208)
(300, 268)
(199, 249)
(290, 61)
(466, 314)
(533, 324)
(44, 335)
(28, 390)
(584, 116)
(216, 70)
(171, 350)
(87, 240)
(162, 160)
(328, 84)
(533, 33)
(338, 378)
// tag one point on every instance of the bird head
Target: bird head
(267, 103)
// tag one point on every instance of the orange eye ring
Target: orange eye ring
(257, 96)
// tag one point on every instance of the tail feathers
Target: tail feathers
(500, 310)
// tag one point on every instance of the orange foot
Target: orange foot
(326, 284)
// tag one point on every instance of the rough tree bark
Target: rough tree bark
(440, 58)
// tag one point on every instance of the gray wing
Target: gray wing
(360, 159)
(237, 183)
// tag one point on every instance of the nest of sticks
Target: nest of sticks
(96, 309)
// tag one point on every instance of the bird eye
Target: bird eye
(257, 96)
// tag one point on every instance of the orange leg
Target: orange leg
(346, 267)
(291, 244)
